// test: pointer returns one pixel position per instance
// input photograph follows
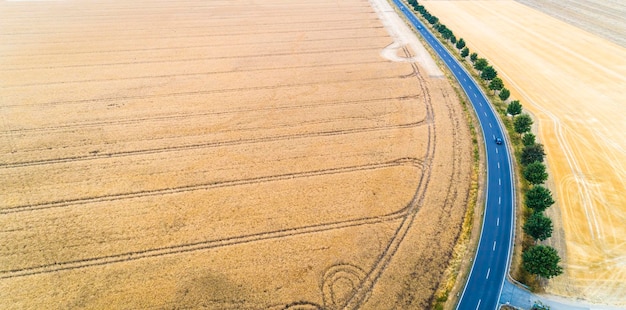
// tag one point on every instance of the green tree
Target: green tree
(464, 52)
(538, 198)
(538, 226)
(514, 108)
(489, 73)
(532, 153)
(474, 57)
(496, 84)
(535, 173)
(504, 94)
(542, 260)
(452, 39)
(460, 44)
(528, 139)
(480, 64)
(522, 123)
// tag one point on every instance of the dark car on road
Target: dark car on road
(498, 140)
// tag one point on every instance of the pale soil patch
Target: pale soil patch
(404, 37)
(574, 83)
(222, 154)
(601, 17)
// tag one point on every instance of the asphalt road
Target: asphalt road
(489, 267)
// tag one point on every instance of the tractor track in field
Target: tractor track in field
(100, 155)
(360, 294)
(198, 36)
(169, 48)
(196, 246)
(204, 92)
(221, 26)
(193, 74)
(192, 59)
(134, 15)
(416, 162)
(170, 116)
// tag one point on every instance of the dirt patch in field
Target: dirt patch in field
(222, 154)
(573, 82)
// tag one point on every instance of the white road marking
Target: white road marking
(490, 125)
(488, 272)
(477, 97)
(478, 306)
(499, 200)
(483, 112)
(499, 181)
(496, 151)
(494, 246)
(497, 222)
(498, 165)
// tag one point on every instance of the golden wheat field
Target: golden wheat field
(573, 81)
(223, 155)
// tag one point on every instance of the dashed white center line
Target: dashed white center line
(488, 272)
(475, 96)
(494, 246)
(496, 151)
(483, 112)
(498, 165)
(478, 305)
(499, 200)
(497, 222)
(490, 125)
(499, 181)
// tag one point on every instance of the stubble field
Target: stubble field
(574, 82)
(221, 154)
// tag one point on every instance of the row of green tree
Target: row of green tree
(541, 260)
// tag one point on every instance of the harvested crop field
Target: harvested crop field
(222, 154)
(574, 83)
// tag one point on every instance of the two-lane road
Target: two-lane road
(490, 264)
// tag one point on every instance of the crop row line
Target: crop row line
(124, 121)
(193, 74)
(289, 53)
(179, 47)
(196, 246)
(99, 155)
(359, 294)
(255, 33)
(29, 15)
(211, 185)
(107, 26)
(204, 92)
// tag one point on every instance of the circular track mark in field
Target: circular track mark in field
(339, 283)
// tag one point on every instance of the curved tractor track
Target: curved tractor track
(338, 183)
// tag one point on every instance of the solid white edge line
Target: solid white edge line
(486, 189)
